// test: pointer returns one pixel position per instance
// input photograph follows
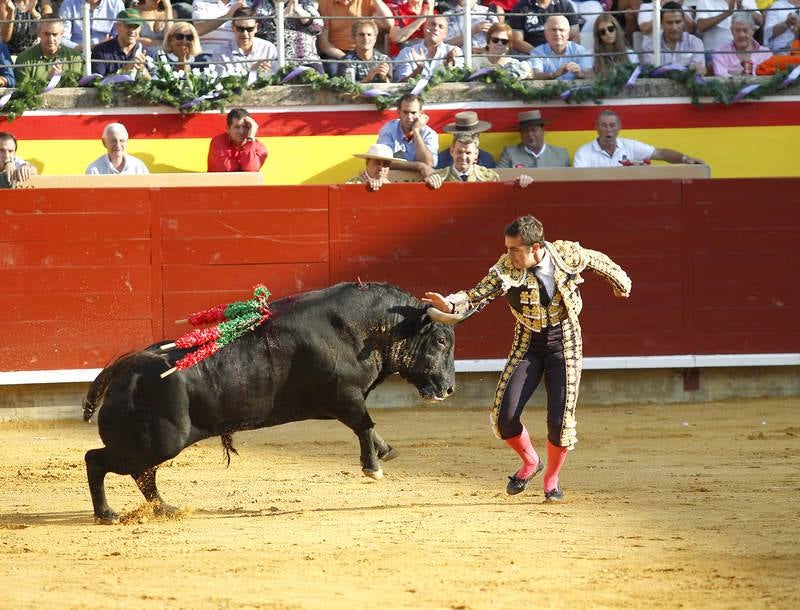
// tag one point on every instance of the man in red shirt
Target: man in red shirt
(237, 150)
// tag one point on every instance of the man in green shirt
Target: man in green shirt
(51, 57)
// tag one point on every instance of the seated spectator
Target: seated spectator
(156, 16)
(482, 20)
(559, 58)
(609, 150)
(18, 19)
(247, 52)
(102, 14)
(532, 151)
(782, 62)
(237, 150)
(408, 24)
(376, 173)
(14, 169)
(7, 79)
(588, 12)
(466, 123)
(464, 151)
(496, 53)
(780, 23)
(49, 57)
(424, 58)
(609, 45)
(677, 47)
(645, 19)
(301, 29)
(212, 20)
(123, 53)
(714, 20)
(116, 160)
(414, 145)
(181, 48)
(743, 54)
(336, 37)
(529, 28)
(369, 65)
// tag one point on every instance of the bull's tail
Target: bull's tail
(112, 372)
(227, 446)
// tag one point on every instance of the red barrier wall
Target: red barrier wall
(88, 274)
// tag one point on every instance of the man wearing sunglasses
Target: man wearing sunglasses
(123, 53)
(246, 52)
(237, 150)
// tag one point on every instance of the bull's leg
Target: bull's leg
(96, 471)
(358, 420)
(146, 482)
(384, 450)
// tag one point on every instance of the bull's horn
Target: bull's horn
(448, 318)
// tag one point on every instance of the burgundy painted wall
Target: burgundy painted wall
(88, 274)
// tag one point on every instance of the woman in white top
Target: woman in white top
(498, 39)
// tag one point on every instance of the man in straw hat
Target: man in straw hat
(464, 168)
(376, 173)
(466, 122)
(532, 151)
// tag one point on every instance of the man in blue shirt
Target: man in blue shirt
(558, 58)
(414, 144)
(6, 72)
(123, 53)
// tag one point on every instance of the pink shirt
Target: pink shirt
(726, 62)
(225, 156)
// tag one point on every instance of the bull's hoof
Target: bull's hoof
(161, 509)
(389, 455)
(108, 517)
(373, 474)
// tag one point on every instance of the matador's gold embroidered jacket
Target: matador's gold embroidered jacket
(477, 173)
(521, 288)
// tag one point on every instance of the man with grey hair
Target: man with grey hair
(559, 58)
(609, 150)
(116, 160)
(741, 55)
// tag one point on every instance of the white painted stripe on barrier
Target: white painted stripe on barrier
(604, 363)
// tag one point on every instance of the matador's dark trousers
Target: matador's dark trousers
(551, 354)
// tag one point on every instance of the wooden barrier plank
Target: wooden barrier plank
(88, 225)
(74, 280)
(160, 180)
(243, 223)
(247, 250)
(75, 253)
(83, 306)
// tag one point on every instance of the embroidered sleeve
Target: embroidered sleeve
(609, 270)
(494, 284)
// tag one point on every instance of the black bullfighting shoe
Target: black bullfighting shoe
(554, 495)
(517, 485)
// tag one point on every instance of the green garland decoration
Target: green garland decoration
(201, 90)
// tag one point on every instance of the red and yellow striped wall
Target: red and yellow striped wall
(315, 144)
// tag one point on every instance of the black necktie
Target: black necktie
(463, 177)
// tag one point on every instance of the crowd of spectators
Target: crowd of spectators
(395, 40)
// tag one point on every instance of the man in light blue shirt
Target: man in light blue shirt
(415, 145)
(102, 13)
(559, 58)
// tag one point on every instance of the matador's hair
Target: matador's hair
(529, 228)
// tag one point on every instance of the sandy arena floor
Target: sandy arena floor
(688, 506)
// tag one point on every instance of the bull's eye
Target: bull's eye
(441, 341)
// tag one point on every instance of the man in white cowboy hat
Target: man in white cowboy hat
(376, 173)
(466, 122)
(464, 151)
(532, 151)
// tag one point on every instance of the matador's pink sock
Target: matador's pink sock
(522, 445)
(555, 460)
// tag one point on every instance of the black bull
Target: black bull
(318, 357)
